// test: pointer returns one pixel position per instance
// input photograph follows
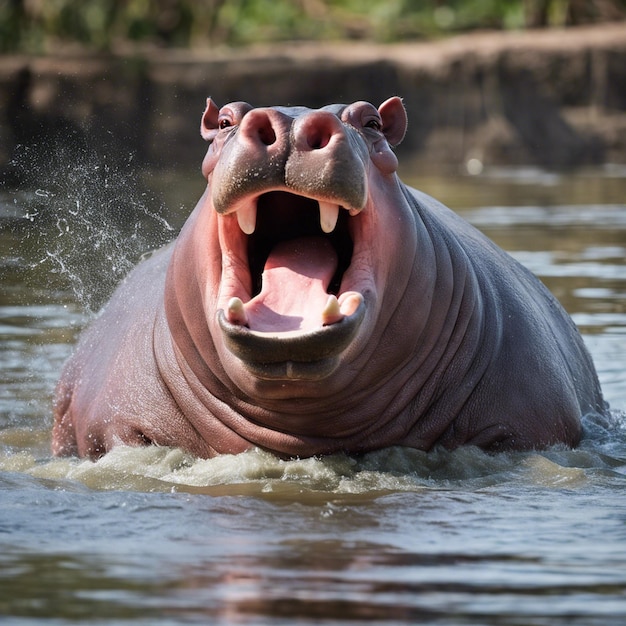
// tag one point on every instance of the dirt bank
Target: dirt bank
(551, 98)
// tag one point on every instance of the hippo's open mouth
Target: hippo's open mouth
(288, 316)
(284, 217)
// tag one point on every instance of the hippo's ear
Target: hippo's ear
(395, 121)
(209, 125)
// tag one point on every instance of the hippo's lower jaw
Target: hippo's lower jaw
(292, 355)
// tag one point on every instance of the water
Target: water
(154, 536)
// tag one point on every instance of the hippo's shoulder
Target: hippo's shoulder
(132, 305)
(147, 279)
(496, 271)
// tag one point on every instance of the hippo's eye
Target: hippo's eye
(224, 123)
(374, 124)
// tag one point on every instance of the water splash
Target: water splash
(89, 219)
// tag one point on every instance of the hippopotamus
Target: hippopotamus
(315, 304)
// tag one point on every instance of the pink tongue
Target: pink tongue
(296, 276)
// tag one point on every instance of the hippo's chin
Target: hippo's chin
(293, 355)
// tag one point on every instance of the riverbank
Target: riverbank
(552, 98)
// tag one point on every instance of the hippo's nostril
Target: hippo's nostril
(318, 139)
(316, 131)
(267, 134)
(260, 127)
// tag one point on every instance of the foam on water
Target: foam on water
(602, 453)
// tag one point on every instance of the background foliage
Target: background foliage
(40, 26)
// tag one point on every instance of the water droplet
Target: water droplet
(474, 166)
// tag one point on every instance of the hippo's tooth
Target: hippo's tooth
(331, 313)
(236, 313)
(329, 214)
(349, 302)
(246, 216)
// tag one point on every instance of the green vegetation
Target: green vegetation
(40, 26)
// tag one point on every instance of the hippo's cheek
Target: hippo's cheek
(295, 285)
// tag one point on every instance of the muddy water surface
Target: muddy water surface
(154, 536)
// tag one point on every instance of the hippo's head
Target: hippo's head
(296, 234)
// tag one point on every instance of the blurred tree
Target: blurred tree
(542, 13)
(39, 26)
(12, 24)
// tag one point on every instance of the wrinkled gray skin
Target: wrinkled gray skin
(226, 340)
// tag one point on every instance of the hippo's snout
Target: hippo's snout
(315, 155)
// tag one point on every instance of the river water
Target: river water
(154, 536)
